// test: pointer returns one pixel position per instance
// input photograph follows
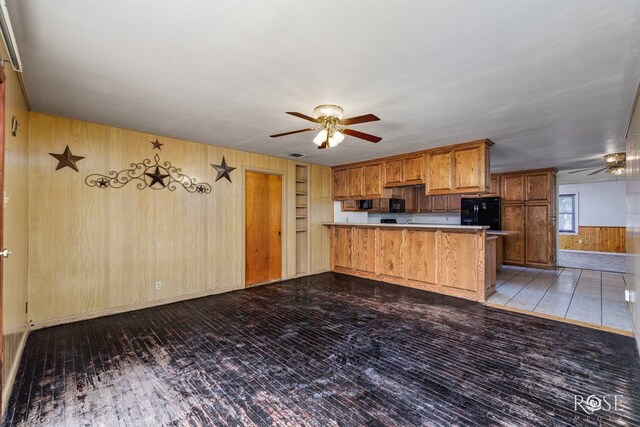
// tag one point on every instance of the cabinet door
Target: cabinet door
(454, 202)
(513, 220)
(349, 205)
(439, 172)
(373, 180)
(539, 234)
(512, 188)
(494, 187)
(391, 252)
(393, 172)
(410, 197)
(356, 181)
(539, 186)
(413, 167)
(439, 203)
(421, 258)
(342, 247)
(340, 184)
(424, 201)
(364, 249)
(469, 169)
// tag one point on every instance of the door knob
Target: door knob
(5, 253)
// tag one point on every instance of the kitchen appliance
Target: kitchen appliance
(388, 221)
(481, 211)
(366, 205)
(396, 205)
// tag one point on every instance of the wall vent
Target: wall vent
(298, 155)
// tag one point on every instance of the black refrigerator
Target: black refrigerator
(481, 211)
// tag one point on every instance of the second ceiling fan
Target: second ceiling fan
(332, 126)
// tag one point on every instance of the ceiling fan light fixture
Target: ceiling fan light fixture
(336, 138)
(328, 110)
(321, 137)
(614, 158)
(617, 170)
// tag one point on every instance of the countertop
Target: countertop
(502, 232)
(432, 226)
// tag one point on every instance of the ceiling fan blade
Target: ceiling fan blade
(360, 119)
(292, 132)
(598, 171)
(582, 170)
(303, 116)
(362, 135)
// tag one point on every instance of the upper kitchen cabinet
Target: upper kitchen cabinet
(413, 168)
(512, 188)
(393, 172)
(405, 170)
(340, 183)
(494, 187)
(458, 169)
(348, 183)
(373, 180)
(539, 186)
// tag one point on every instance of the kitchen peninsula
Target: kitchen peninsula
(449, 259)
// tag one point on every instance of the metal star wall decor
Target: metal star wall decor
(156, 144)
(149, 174)
(223, 170)
(67, 160)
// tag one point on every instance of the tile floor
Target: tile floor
(591, 296)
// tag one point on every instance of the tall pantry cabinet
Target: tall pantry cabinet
(528, 207)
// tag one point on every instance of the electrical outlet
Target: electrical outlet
(580, 241)
(629, 296)
(158, 286)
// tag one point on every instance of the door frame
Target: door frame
(284, 213)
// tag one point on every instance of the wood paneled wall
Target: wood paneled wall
(633, 216)
(15, 319)
(94, 251)
(595, 239)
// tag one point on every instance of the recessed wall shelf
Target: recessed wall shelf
(302, 220)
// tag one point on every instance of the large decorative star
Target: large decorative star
(157, 177)
(67, 160)
(156, 144)
(223, 170)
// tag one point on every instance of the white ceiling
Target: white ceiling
(550, 82)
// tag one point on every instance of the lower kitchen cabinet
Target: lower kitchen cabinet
(513, 220)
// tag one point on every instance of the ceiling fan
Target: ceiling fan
(615, 164)
(332, 126)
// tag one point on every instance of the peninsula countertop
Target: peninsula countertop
(431, 226)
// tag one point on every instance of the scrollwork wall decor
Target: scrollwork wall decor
(149, 174)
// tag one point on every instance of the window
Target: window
(567, 213)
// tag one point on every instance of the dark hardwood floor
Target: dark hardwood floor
(323, 350)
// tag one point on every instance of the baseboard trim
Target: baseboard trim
(47, 323)
(8, 385)
(561, 319)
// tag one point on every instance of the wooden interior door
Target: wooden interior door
(263, 227)
(2, 89)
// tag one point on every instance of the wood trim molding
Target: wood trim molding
(524, 172)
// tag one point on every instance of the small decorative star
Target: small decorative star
(157, 144)
(103, 183)
(157, 177)
(67, 160)
(223, 170)
(201, 189)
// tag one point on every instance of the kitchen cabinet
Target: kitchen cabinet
(513, 220)
(512, 188)
(356, 175)
(459, 169)
(540, 242)
(528, 206)
(364, 249)
(372, 177)
(494, 186)
(391, 250)
(539, 186)
(342, 241)
(439, 203)
(454, 202)
(412, 169)
(410, 196)
(340, 183)
(350, 206)
(393, 172)
(424, 201)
